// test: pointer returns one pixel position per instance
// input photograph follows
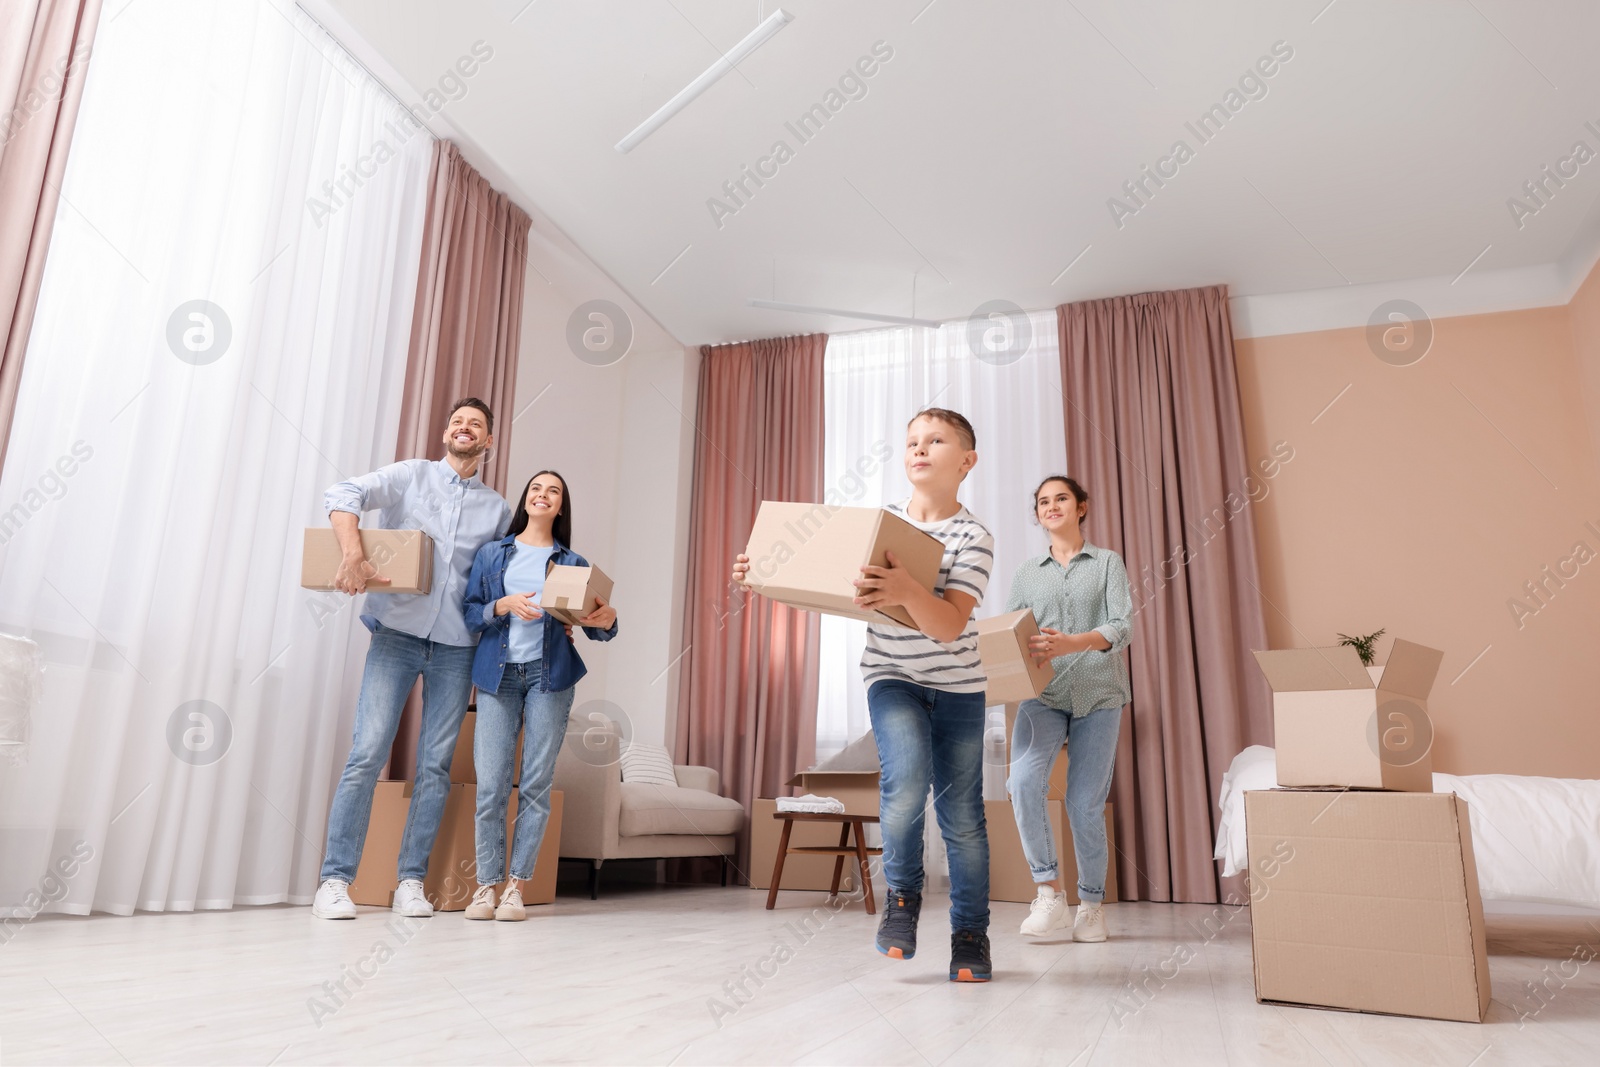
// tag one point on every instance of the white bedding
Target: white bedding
(1534, 839)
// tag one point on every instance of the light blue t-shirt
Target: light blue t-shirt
(525, 574)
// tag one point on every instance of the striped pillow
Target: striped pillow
(647, 765)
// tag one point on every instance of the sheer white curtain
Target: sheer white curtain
(875, 381)
(221, 333)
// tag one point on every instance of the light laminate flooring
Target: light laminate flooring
(691, 975)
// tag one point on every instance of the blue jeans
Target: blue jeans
(518, 705)
(933, 738)
(394, 662)
(1091, 753)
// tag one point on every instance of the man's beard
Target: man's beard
(474, 453)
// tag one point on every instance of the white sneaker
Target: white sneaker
(1090, 923)
(333, 901)
(1047, 912)
(411, 901)
(482, 906)
(511, 909)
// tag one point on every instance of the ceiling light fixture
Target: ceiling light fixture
(732, 58)
(899, 320)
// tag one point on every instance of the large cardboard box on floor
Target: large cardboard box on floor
(1366, 901)
(799, 871)
(1336, 725)
(1010, 877)
(1012, 674)
(570, 593)
(850, 777)
(452, 865)
(463, 770)
(405, 557)
(810, 555)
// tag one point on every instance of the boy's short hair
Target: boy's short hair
(954, 419)
(474, 402)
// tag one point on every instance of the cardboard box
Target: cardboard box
(851, 777)
(405, 557)
(1335, 726)
(452, 865)
(810, 555)
(570, 593)
(1366, 902)
(462, 769)
(1010, 877)
(1003, 648)
(1057, 789)
(802, 871)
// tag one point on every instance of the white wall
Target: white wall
(621, 436)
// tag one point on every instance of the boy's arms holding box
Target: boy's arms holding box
(943, 618)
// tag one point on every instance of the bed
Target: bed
(1534, 839)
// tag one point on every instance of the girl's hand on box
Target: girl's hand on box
(601, 617)
(519, 604)
(741, 567)
(886, 587)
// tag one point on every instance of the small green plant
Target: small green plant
(1366, 647)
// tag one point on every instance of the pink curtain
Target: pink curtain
(747, 693)
(1155, 433)
(466, 332)
(467, 326)
(44, 56)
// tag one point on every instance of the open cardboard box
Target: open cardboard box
(810, 555)
(1012, 674)
(453, 864)
(405, 557)
(570, 593)
(1336, 725)
(1366, 901)
(850, 777)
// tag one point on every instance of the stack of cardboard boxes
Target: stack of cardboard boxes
(1363, 891)
(452, 865)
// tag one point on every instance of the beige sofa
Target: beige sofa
(606, 818)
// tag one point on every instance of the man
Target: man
(412, 635)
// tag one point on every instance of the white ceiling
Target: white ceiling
(979, 163)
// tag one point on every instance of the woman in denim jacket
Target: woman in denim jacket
(525, 669)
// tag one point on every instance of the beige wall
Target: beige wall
(1425, 498)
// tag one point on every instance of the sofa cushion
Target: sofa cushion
(667, 809)
(647, 764)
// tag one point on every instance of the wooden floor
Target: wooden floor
(704, 975)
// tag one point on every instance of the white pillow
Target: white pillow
(647, 764)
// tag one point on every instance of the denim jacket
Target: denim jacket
(487, 584)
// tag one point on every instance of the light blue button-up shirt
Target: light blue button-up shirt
(1091, 594)
(460, 514)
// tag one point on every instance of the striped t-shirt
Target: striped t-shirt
(899, 652)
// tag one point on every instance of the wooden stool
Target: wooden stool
(859, 850)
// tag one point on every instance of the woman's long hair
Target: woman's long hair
(561, 529)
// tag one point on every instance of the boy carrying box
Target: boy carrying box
(925, 693)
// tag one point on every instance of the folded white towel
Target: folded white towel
(813, 804)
